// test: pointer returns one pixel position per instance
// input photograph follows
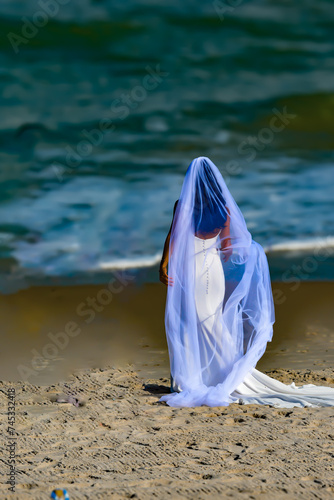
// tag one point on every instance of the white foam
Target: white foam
(301, 245)
(287, 246)
(128, 263)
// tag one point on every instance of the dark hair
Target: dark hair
(208, 212)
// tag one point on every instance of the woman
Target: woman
(219, 310)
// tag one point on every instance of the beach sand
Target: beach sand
(123, 443)
(129, 328)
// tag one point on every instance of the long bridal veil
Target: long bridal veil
(240, 314)
(219, 311)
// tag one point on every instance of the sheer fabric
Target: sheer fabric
(214, 342)
(219, 311)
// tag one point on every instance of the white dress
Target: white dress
(257, 387)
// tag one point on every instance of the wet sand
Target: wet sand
(127, 326)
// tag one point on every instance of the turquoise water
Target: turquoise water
(105, 104)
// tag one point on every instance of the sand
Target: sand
(131, 328)
(123, 443)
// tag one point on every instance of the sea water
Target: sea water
(105, 104)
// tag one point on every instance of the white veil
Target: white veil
(243, 322)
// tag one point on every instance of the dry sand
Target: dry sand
(123, 443)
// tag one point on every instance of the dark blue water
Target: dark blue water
(105, 104)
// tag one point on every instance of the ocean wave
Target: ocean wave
(301, 245)
(286, 246)
(132, 263)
